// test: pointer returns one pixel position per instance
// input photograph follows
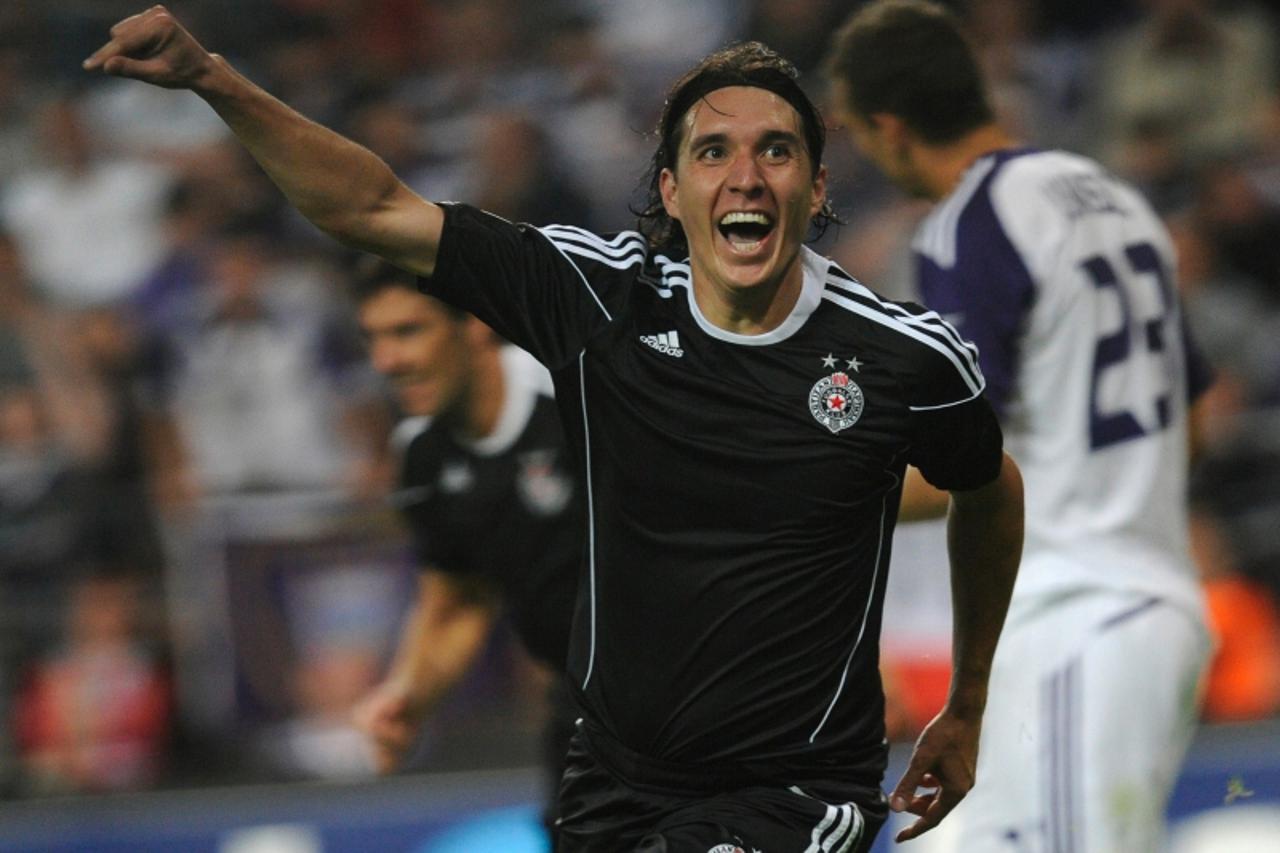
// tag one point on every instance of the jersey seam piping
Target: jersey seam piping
(591, 516)
(866, 610)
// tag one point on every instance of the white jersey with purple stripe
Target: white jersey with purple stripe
(1064, 278)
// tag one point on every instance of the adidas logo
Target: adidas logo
(667, 343)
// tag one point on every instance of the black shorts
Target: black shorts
(601, 812)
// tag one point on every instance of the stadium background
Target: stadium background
(198, 569)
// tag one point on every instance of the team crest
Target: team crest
(836, 401)
(726, 848)
(543, 489)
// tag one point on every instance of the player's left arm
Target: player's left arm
(984, 539)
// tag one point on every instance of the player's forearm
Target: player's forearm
(336, 184)
(984, 533)
(435, 651)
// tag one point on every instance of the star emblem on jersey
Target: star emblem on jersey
(836, 401)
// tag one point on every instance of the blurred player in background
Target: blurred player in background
(488, 495)
(743, 419)
(1064, 278)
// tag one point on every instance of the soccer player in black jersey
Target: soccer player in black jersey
(742, 412)
(493, 508)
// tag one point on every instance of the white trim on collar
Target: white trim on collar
(814, 267)
(524, 379)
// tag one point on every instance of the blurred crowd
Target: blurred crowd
(199, 572)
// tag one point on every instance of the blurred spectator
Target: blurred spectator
(1037, 77)
(800, 30)
(1230, 274)
(56, 425)
(260, 390)
(1086, 19)
(124, 528)
(590, 103)
(307, 61)
(226, 189)
(1243, 226)
(390, 127)
(71, 478)
(1244, 676)
(1232, 305)
(656, 41)
(88, 225)
(517, 178)
(22, 88)
(1189, 81)
(94, 714)
(39, 348)
(342, 621)
(374, 41)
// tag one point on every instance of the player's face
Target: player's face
(744, 188)
(418, 345)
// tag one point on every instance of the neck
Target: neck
(486, 394)
(749, 310)
(944, 165)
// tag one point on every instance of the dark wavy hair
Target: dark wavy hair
(745, 64)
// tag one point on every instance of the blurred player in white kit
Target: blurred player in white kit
(1064, 278)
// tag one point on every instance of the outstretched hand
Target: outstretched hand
(944, 762)
(153, 47)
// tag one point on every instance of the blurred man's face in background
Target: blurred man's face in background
(420, 346)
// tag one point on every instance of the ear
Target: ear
(819, 191)
(891, 128)
(667, 186)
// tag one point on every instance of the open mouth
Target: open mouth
(745, 230)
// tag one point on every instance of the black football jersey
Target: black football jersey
(504, 509)
(741, 490)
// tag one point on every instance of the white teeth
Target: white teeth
(745, 216)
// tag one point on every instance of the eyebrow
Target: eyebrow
(769, 136)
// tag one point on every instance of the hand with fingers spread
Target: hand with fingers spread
(943, 763)
(153, 47)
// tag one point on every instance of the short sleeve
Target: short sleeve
(956, 440)
(958, 448)
(522, 283)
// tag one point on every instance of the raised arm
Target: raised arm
(984, 541)
(345, 189)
